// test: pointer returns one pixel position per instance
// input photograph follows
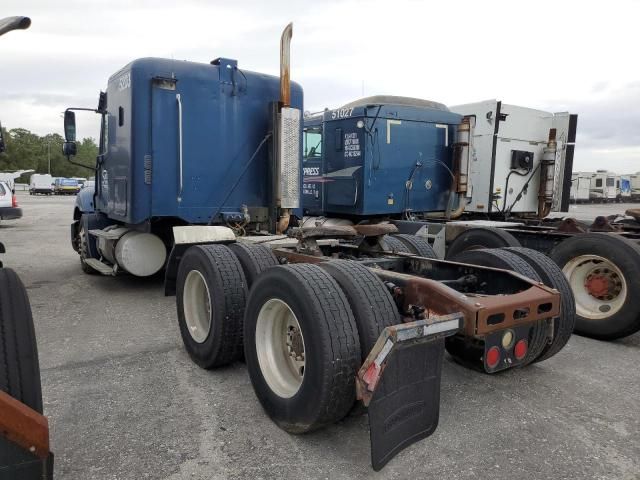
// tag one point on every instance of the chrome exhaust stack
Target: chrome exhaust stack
(286, 141)
(285, 66)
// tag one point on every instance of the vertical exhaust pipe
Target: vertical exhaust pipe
(285, 66)
(285, 102)
(14, 23)
(547, 176)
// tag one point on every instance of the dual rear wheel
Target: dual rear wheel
(602, 272)
(303, 329)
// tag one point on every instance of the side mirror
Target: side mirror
(69, 148)
(69, 126)
(102, 102)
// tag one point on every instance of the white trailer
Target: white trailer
(634, 180)
(624, 188)
(517, 167)
(580, 186)
(603, 187)
(507, 147)
(10, 177)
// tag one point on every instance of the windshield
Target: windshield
(69, 182)
(312, 142)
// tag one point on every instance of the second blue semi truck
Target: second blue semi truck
(486, 174)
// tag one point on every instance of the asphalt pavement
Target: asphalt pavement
(124, 400)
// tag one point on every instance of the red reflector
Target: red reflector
(520, 350)
(493, 357)
(14, 201)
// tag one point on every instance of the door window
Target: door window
(312, 143)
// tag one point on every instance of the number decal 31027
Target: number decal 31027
(341, 113)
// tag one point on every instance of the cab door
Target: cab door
(165, 132)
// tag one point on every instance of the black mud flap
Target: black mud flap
(17, 463)
(406, 403)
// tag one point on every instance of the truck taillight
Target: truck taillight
(14, 201)
(493, 357)
(520, 350)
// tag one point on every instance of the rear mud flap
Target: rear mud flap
(400, 383)
(405, 406)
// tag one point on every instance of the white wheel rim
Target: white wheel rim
(598, 286)
(280, 348)
(196, 302)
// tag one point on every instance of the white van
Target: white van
(41, 183)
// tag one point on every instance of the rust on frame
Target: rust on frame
(482, 314)
(24, 426)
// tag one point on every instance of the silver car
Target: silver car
(9, 209)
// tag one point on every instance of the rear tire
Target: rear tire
(392, 244)
(210, 298)
(604, 273)
(553, 277)
(254, 259)
(371, 303)
(418, 245)
(19, 368)
(478, 238)
(320, 337)
(510, 261)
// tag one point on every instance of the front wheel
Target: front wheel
(83, 250)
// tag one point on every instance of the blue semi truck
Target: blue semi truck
(486, 175)
(200, 174)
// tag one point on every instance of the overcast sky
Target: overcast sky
(553, 55)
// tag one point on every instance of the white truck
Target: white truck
(41, 184)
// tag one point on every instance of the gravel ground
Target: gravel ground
(125, 402)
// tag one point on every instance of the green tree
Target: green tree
(26, 150)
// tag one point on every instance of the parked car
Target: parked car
(9, 209)
(41, 183)
(89, 184)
